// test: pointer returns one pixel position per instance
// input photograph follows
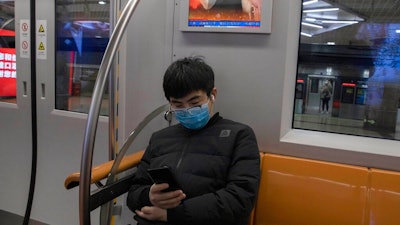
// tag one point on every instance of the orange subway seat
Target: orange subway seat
(295, 191)
(251, 218)
(384, 201)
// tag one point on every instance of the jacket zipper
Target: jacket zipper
(182, 155)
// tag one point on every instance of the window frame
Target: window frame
(333, 147)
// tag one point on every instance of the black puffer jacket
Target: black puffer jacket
(218, 168)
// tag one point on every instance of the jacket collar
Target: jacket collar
(213, 120)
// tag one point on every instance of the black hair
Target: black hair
(187, 75)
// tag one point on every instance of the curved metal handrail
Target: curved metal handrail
(114, 169)
(94, 111)
(131, 138)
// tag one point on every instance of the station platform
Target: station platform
(328, 123)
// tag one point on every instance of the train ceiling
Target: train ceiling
(321, 16)
(84, 9)
(373, 20)
(7, 15)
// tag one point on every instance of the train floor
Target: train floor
(7, 218)
(325, 122)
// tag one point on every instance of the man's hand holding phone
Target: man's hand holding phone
(161, 201)
(165, 193)
(165, 200)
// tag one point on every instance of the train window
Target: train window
(8, 64)
(82, 35)
(349, 68)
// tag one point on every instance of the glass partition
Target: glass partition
(348, 74)
(8, 64)
(82, 35)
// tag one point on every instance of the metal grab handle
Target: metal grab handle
(106, 208)
(94, 111)
(131, 138)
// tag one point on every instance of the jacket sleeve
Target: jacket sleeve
(138, 194)
(233, 203)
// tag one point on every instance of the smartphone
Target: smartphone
(164, 175)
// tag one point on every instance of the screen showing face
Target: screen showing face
(225, 13)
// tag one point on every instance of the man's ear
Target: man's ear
(213, 94)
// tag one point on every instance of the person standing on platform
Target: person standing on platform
(325, 95)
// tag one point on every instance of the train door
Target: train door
(54, 66)
(71, 37)
(15, 107)
(313, 95)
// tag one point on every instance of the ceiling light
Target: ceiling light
(310, 19)
(340, 21)
(320, 10)
(329, 70)
(366, 73)
(330, 43)
(102, 2)
(397, 31)
(305, 34)
(310, 2)
(312, 25)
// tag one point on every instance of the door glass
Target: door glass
(8, 64)
(348, 74)
(82, 34)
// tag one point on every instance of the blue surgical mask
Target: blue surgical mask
(193, 118)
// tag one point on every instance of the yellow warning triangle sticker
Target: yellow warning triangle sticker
(41, 46)
(41, 29)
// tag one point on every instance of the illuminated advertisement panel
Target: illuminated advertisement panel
(8, 73)
(242, 16)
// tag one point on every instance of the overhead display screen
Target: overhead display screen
(242, 16)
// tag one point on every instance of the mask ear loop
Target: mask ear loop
(168, 115)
